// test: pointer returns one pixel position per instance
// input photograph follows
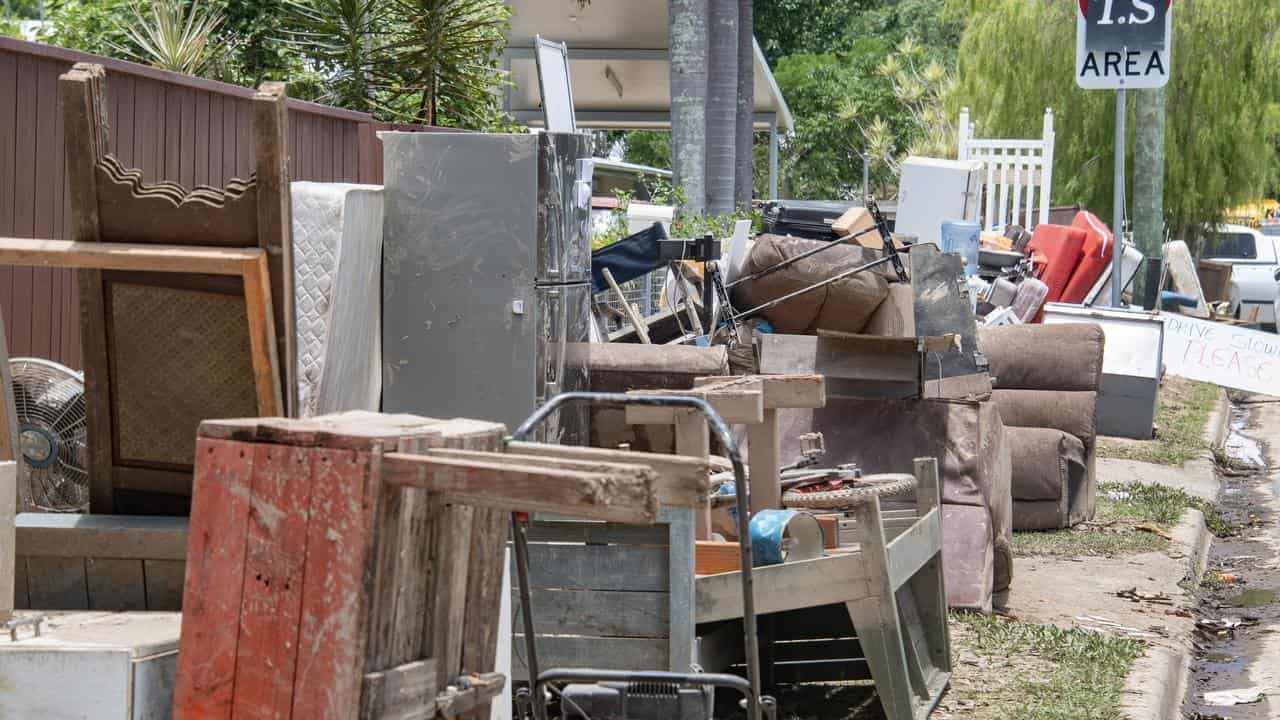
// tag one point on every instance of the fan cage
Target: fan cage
(52, 436)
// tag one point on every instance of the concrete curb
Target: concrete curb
(1191, 538)
(1219, 422)
(1156, 685)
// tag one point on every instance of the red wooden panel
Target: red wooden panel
(202, 141)
(229, 138)
(299, 156)
(187, 139)
(339, 537)
(214, 581)
(275, 553)
(71, 329)
(350, 152)
(26, 155)
(120, 88)
(216, 177)
(172, 129)
(148, 131)
(9, 177)
(244, 139)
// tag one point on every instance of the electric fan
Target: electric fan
(49, 399)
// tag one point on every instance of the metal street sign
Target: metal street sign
(1123, 44)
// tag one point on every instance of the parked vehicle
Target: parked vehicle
(1255, 270)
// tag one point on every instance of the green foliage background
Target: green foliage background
(1223, 108)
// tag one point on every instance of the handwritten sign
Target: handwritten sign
(1222, 354)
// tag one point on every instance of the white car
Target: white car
(1255, 270)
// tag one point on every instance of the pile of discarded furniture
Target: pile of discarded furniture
(786, 475)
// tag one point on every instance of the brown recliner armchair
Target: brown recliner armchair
(1046, 379)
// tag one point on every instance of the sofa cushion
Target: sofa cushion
(1044, 357)
(1057, 250)
(968, 557)
(1098, 246)
(1043, 462)
(1071, 412)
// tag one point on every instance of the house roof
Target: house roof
(618, 62)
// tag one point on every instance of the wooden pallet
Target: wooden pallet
(350, 566)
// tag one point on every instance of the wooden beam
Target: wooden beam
(615, 496)
(687, 489)
(262, 333)
(127, 256)
(275, 229)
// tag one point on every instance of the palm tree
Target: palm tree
(745, 131)
(347, 40)
(722, 105)
(688, 39)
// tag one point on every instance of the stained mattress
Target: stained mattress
(337, 247)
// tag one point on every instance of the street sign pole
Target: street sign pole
(1122, 45)
(1117, 228)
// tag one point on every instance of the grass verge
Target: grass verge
(1010, 669)
(1182, 409)
(1126, 523)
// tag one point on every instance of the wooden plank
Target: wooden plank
(57, 584)
(835, 578)
(717, 557)
(739, 407)
(101, 536)
(450, 556)
(611, 496)
(334, 605)
(681, 647)
(915, 546)
(599, 567)
(270, 610)
(876, 619)
(271, 161)
(200, 146)
(263, 349)
(604, 613)
(164, 584)
(780, 391)
(214, 580)
(115, 584)
(405, 692)
(764, 458)
(172, 133)
(484, 592)
(878, 359)
(97, 389)
(127, 256)
(9, 179)
(597, 533)
(688, 489)
(594, 652)
(682, 481)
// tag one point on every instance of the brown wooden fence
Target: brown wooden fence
(172, 127)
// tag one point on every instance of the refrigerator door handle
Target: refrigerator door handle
(560, 329)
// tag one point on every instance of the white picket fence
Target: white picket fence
(1019, 174)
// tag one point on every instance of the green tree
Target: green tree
(796, 27)
(1018, 57)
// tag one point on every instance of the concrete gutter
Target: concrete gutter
(1157, 684)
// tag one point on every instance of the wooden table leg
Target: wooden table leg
(764, 450)
(693, 439)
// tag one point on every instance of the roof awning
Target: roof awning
(618, 62)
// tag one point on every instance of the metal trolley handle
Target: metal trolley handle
(521, 540)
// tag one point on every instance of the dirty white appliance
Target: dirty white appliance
(931, 191)
(1131, 365)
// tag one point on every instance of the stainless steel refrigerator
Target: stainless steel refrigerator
(486, 279)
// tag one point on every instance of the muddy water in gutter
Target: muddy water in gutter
(1229, 660)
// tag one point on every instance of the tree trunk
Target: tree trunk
(722, 106)
(743, 182)
(1148, 177)
(688, 36)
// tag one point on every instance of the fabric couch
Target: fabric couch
(1046, 381)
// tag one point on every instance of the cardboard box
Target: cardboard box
(857, 219)
(895, 316)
